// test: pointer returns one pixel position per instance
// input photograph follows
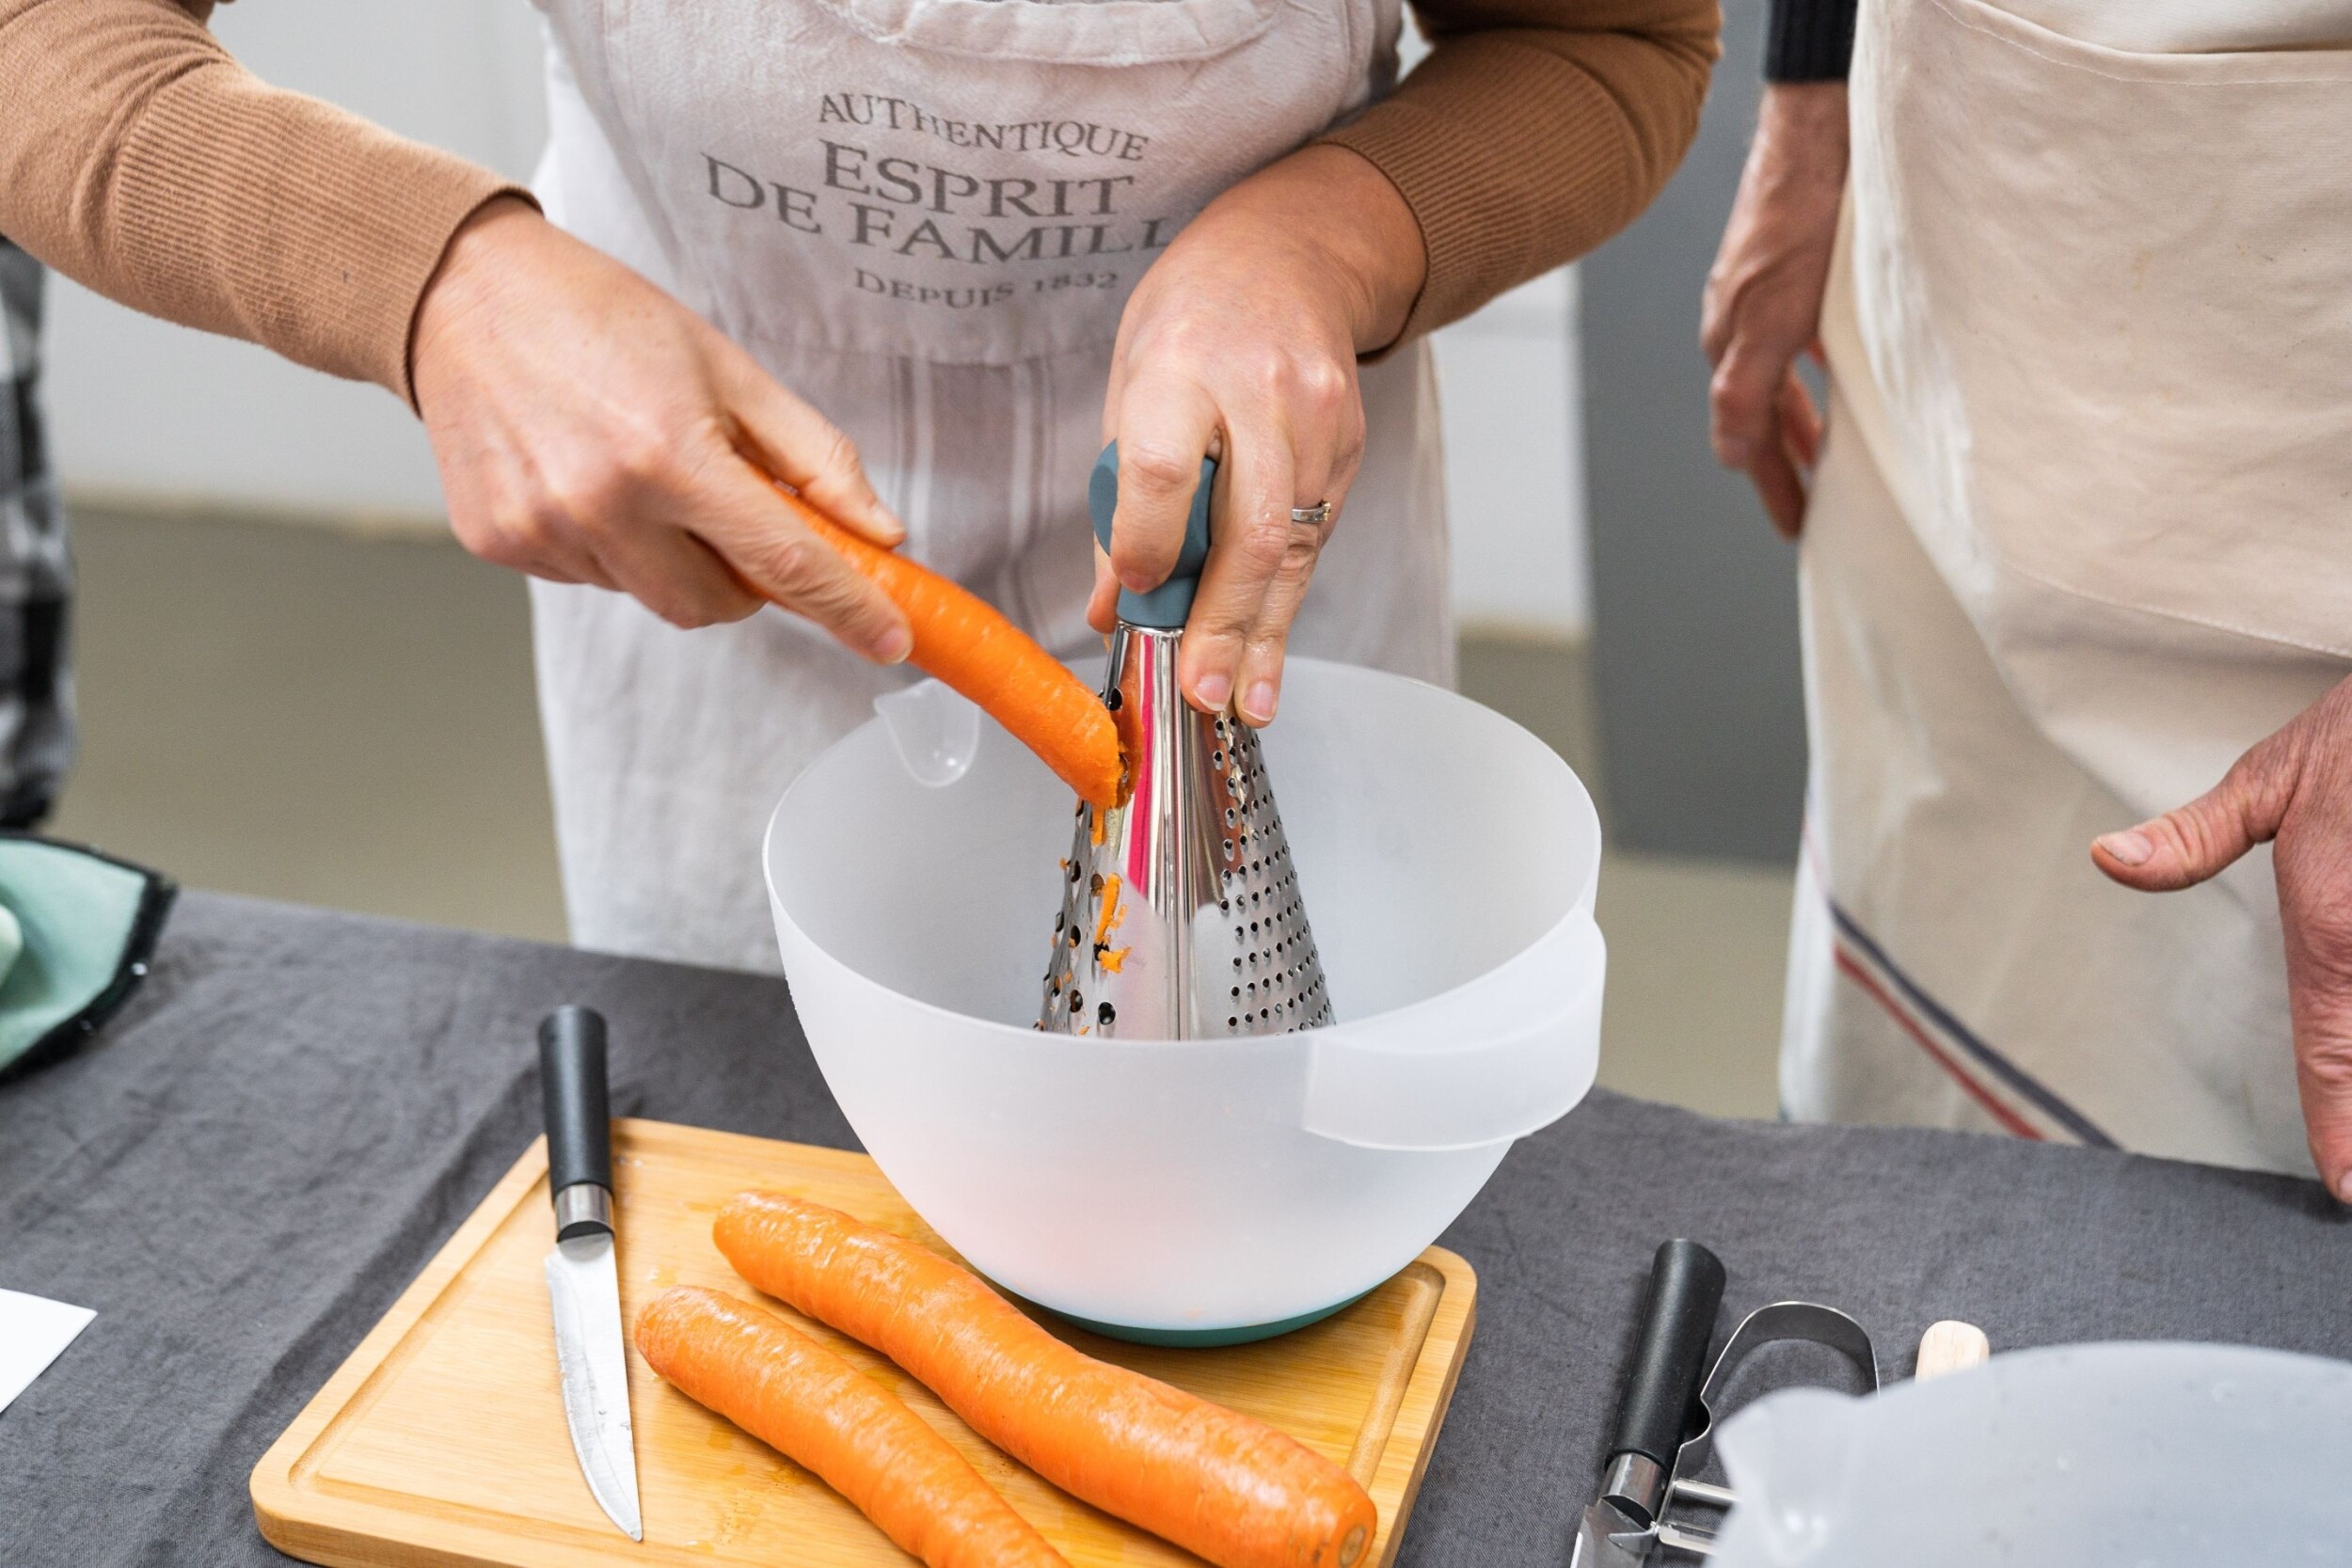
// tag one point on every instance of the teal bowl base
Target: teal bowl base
(1206, 1338)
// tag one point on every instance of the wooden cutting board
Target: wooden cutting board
(442, 1440)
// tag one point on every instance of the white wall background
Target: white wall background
(143, 409)
(1515, 463)
(146, 409)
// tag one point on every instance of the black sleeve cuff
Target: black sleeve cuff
(1808, 40)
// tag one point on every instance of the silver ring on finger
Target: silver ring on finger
(1313, 516)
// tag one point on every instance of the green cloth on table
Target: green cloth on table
(76, 929)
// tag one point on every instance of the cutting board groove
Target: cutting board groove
(440, 1443)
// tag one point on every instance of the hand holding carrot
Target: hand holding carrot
(645, 468)
(591, 429)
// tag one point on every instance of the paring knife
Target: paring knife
(1686, 1287)
(583, 1283)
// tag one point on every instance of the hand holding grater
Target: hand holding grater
(1181, 912)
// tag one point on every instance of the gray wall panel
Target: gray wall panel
(1702, 718)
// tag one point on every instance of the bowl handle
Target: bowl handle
(1495, 1060)
(935, 729)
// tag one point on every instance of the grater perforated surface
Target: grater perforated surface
(1182, 916)
(1264, 952)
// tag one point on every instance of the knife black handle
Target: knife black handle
(1686, 1287)
(579, 1117)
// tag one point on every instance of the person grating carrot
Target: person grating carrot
(1216, 1483)
(804, 1401)
(970, 644)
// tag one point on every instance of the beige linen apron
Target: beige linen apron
(2082, 534)
(923, 216)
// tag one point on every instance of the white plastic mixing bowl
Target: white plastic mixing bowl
(2134, 1455)
(1203, 1190)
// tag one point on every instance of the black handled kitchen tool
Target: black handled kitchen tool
(583, 1279)
(1666, 1424)
(579, 1121)
(1181, 912)
(1775, 1324)
(1946, 1347)
(1686, 1287)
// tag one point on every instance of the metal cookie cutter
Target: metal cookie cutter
(1781, 1321)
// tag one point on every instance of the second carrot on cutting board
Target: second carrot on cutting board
(800, 1398)
(1216, 1483)
(970, 644)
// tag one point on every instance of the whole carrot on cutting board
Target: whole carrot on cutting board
(1214, 1482)
(968, 643)
(801, 1399)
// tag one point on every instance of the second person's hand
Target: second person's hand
(591, 429)
(1241, 343)
(1763, 302)
(2292, 791)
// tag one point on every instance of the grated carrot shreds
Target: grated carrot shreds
(1107, 921)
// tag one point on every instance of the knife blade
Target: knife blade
(583, 1280)
(1686, 1287)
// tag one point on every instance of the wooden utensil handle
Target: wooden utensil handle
(1949, 1346)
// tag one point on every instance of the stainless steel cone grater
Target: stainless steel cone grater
(1181, 912)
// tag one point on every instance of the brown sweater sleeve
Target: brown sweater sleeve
(1534, 130)
(139, 159)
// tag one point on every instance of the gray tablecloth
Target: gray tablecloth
(275, 1135)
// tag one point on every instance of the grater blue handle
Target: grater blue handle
(1166, 607)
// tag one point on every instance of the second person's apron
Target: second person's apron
(2081, 535)
(922, 218)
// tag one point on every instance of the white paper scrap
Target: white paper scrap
(32, 1334)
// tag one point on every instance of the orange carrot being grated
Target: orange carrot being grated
(968, 643)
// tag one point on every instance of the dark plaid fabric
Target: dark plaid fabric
(36, 567)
